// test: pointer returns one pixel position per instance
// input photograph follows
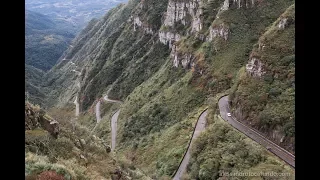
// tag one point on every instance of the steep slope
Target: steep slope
(54, 150)
(33, 81)
(264, 96)
(45, 40)
(106, 53)
(168, 61)
(222, 151)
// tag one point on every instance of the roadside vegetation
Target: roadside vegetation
(161, 103)
(222, 149)
(72, 155)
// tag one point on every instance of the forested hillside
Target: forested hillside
(168, 60)
(45, 40)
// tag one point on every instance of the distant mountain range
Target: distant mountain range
(46, 40)
(76, 12)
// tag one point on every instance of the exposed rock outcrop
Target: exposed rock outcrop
(37, 118)
(168, 38)
(240, 3)
(138, 23)
(283, 23)
(178, 11)
(218, 31)
(185, 59)
(227, 4)
(255, 67)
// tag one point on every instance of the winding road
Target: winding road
(98, 117)
(271, 146)
(200, 126)
(114, 120)
(77, 106)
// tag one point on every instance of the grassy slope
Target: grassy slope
(157, 119)
(143, 115)
(32, 82)
(112, 52)
(158, 115)
(45, 40)
(90, 51)
(222, 149)
(63, 154)
(268, 103)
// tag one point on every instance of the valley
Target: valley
(192, 89)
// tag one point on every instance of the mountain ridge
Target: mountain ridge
(167, 59)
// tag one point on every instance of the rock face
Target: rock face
(188, 13)
(178, 11)
(218, 31)
(168, 38)
(185, 59)
(283, 23)
(228, 4)
(240, 3)
(37, 118)
(255, 67)
(137, 23)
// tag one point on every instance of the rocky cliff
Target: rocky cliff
(164, 58)
(271, 67)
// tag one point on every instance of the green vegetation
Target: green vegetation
(162, 102)
(150, 12)
(158, 154)
(221, 148)
(103, 129)
(46, 40)
(157, 120)
(210, 11)
(33, 82)
(268, 102)
(69, 154)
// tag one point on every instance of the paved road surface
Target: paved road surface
(111, 100)
(77, 106)
(98, 117)
(199, 128)
(114, 120)
(275, 149)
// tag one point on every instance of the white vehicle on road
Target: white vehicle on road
(229, 114)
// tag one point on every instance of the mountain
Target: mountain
(76, 12)
(168, 61)
(33, 81)
(45, 40)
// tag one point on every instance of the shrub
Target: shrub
(62, 147)
(37, 140)
(289, 129)
(275, 92)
